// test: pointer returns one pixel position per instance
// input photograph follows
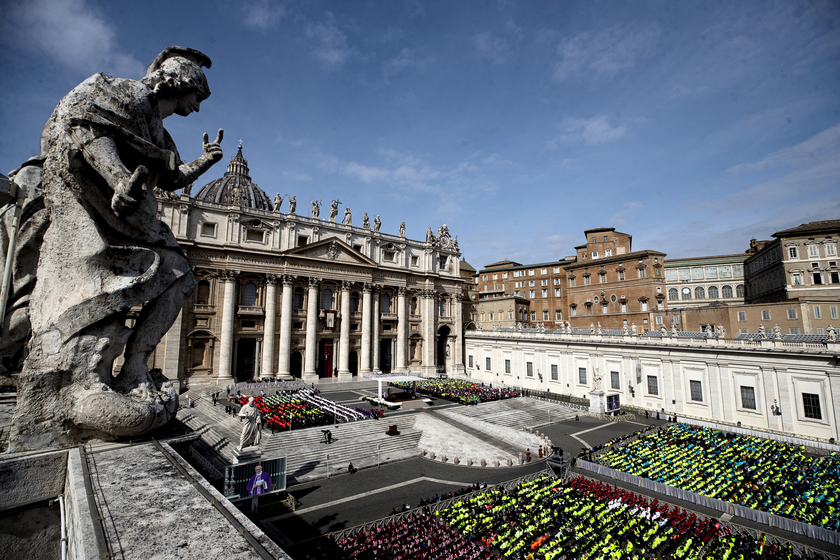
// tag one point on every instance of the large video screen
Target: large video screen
(238, 477)
(613, 402)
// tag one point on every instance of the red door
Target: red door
(326, 369)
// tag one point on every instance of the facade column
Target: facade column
(374, 328)
(365, 365)
(286, 325)
(458, 329)
(258, 357)
(402, 329)
(310, 373)
(228, 278)
(344, 340)
(428, 327)
(267, 368)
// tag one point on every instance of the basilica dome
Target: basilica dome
(235, 187)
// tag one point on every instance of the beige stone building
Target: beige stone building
(282, 294)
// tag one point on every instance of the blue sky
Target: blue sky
(693, 126)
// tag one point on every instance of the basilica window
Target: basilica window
(726, 291)
(354, 302)
(208, 229)
(385, 303)
(249, 295)
(297, 301)
(713, 292)
(442, 308)
(811, 406)
(202, 293)
(699, 293)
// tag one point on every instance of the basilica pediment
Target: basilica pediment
(331, 249)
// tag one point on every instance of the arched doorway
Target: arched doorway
(354, 363)
(296, 364)
(440, 349)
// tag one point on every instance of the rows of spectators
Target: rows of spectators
(455, 390)
(761, 474)
(546, 519)
(279, 410)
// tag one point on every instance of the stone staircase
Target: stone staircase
(354, 442)
(517, 413)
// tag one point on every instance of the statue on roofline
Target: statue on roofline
(104, 252)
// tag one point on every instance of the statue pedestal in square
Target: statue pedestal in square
(247, 455)
(597, 402)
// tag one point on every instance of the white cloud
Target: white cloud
(818, 150)
(408, 58)
(605, 54)
(71, 33)
(263, 14)
(497, 51)
(590, 132)
(331, 45)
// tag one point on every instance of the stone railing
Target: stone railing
(203, 308)
(251, 310)
(752, 344)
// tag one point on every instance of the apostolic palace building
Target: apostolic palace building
(285, 294)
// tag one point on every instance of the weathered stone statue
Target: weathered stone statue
(721, 331)
(377, 223)
(402, 229)
(253, 424)
(278, 202)
(365, 221)
(777, 332)
(634, 330)
(104, 252)
(334, 210)
(348, 217)
(430, 237)
(316, 208)
(762, 332)
(292, 205)
(832, 333)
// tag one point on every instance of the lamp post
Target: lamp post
(328, 465)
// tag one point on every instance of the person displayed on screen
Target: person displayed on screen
(260, 483)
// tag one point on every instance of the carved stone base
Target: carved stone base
(247, 455)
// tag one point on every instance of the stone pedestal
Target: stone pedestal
(247, 455)
(597, 402)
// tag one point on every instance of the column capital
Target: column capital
(288, 280)
(314, 282)
(376, 288)
(367, 287)
(429, 294)
(346, 285)
(228, 275)
(402, 290)
(271, 279)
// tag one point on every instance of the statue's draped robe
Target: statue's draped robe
(95, 265)
(251, 429)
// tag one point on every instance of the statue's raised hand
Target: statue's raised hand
(212, 151)
(129, 193)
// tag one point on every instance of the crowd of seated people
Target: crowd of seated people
(419, 536)
(458, 391)
(546, 519)
(278, 410)
(761, 474)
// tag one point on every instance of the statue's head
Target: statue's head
(250, 400)
(176, 72)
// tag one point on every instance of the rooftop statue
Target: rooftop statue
(292, 205)
(316, 208)
(377, 223)
(402, 229)
(365, 221)
(278, 202)
(104, 252)
(334, 209)
(348, 217)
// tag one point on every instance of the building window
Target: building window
(298, 299)
(796, 278)
(558, 315)
(742, 316)
(614, 381)
(556, 292)
(544, 271)
(696, 391)
(545, 293)
(642, 273)
(507, 366)
(794, 330)
(556, 270)
(554, 372)
(543, 282)
(792, 252)
(604, 308)
(765, 314)
(326, 299)
(491, 315)
(686, 293)
(817, 312)
(531, 283)
(624, 307)
(208, 230)
(830, 250)
(594, 239)
(653, 385)
(699, 293)
(811, 406)
(713, 292)
(470, 361)
(532, 294)
(533, 315)
(249, 295)
(255, 235)
(385, 303)
(573, 311)
(442, 306)
(644, 306)
(587, 280)
(572, 282)
(726, 291)
(813, 251)
(832, 311)
(302, 240)
(659, 319)
(791, 313)
(545, 315)
(602, 277)
(621, 275)
(529, 369)
(582, 375)
(740, 291)
(354, 302)
(504, 276)
(608, 252)
(748, 397)
(530, 273)
(516, 293)
(414, 260)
